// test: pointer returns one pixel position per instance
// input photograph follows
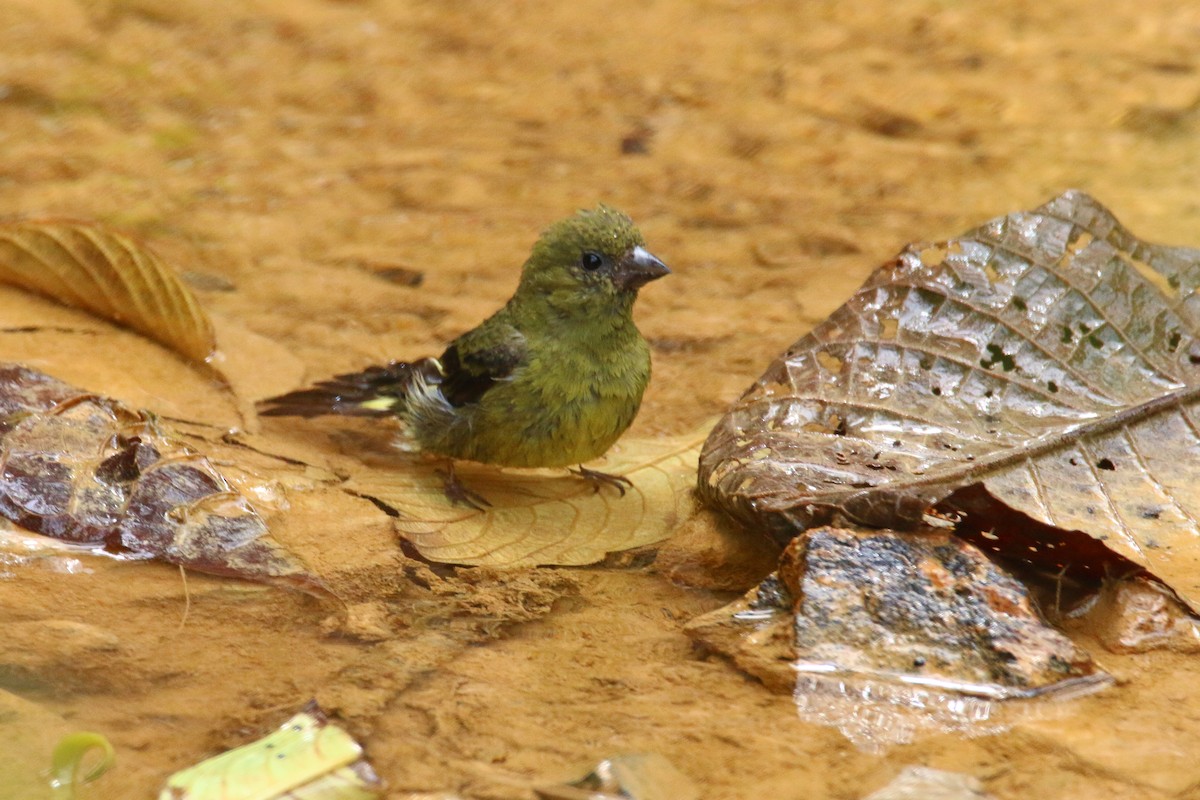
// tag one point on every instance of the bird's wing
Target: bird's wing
(478, 360)
(374, 392)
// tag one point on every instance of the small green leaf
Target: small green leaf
(68, 761)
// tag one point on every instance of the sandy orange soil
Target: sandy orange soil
(287, 154)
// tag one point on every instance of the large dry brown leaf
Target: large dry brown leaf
(542, 517)
(1047, 359)
(107, 274)
(88, 469)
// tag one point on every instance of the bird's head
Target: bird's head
(596, 255)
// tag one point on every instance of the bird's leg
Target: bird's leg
(457, 493)
(598, 479)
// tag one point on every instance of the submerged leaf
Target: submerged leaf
(88, 469)
(543, 517)
(307, 757)
(68, 759)
(1049, 359)
(107, 274)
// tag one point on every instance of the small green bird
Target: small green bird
(550, 380)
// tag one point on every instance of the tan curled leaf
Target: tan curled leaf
(1048, 359)
(88, 469)
(542, 517)
(107, 274)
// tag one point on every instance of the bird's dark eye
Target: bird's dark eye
(591, 260)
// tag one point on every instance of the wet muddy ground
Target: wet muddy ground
(347, 182)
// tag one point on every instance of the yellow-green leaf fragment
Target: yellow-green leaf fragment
(68, 760)
(308, 758)
(107, 274)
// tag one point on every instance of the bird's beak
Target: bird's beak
(637, 268)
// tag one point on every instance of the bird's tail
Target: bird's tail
(374, 392)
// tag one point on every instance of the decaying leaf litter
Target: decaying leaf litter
(1050, 357)
(870, 169)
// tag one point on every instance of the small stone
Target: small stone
(922, 783)
(366, 622)
(896, 606)
(62, 654)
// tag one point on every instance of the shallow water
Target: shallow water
(285, 152)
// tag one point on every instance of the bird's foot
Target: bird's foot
(457, 492)
(598, 479)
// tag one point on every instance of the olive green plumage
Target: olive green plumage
(550, 380)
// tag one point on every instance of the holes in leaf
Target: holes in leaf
(1079, 243)
(933, 255)
(997, 356)
(1052, 386)
(829, 361)
(1106, 464)
(1019, 304)
(931, 298)
(831, 424)
(937, 391)
(1152, 276)
(1173, 342)
(1067, 336)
